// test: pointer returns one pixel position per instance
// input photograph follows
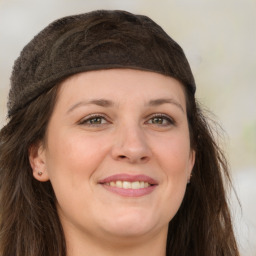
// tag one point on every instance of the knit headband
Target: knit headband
(94, 41)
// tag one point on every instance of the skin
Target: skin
(128, 136)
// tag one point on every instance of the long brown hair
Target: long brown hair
(29, 223)
(202, 225)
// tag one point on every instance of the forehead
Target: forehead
(120, 85)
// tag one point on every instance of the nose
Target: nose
(131, 146)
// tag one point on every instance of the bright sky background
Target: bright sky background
(219, 39)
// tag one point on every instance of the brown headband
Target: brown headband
(94, 41)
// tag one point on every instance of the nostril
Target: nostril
(143, 159)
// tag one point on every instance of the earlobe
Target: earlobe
(37, 161)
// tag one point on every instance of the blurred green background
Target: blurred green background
(219, 39)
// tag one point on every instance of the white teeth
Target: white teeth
(119, 184)
(135, 185)
(128, 184)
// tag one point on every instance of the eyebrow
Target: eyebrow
(109, 103)
(98, 102)
(158, 102)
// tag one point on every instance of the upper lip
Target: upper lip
(129, 177)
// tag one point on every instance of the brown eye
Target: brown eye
(94, 121)
(157, 120)
(161, 120)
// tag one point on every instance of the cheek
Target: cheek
(174, 159)
(174, 156)
(71, 162)
(75, 154)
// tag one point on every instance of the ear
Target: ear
(192, 159)
(37, 161)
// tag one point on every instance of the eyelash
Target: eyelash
(164, 117)
(89, 118)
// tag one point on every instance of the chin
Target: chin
(126, 231)
(131, 224)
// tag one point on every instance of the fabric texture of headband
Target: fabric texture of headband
(94, 41)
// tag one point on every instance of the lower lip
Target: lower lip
(130, 192)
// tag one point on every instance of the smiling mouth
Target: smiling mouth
(128, 184)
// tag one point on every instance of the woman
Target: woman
(106, 151)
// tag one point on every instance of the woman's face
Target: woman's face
(117, 153)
